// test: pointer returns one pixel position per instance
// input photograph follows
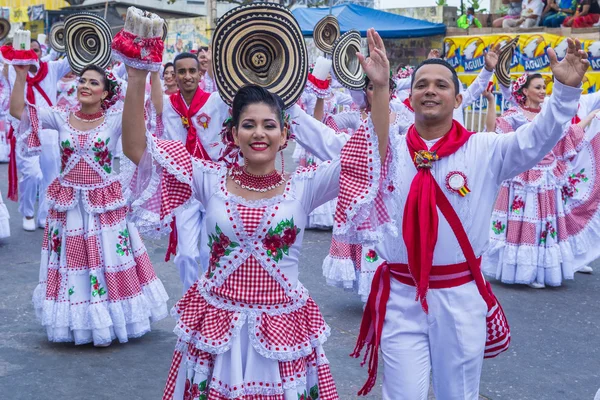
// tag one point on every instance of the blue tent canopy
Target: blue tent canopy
(353, 16)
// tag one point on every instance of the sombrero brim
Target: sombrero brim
(56, 37)
(262, 44)
(346, 65)
(165, 30)
(326, 32)
(505, 57)
(87, 41)
(4, 28)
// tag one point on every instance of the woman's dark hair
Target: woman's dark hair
(167, 65)
(253, 94)
(99, 70)
(392, 83)
(438, 61)
(530, 78)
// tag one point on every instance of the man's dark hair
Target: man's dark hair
(437, 61)
(471, 9)
(182, 56)
(36, 41)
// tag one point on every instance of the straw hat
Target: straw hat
(4, 28)
(87, 41)
(57, 37)
(262, 44)
(346, 65)
(504, 60)
(326, 32)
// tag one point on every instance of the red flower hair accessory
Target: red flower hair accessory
(517, 87)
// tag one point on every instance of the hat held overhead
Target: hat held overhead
(140, 42)
(20, 52)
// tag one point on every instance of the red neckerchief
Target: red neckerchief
(406, 102)
(192, 142)
(32, 82)
(420, 222)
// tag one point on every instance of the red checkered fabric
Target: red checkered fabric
(215, 395)
(498, 331)
(172, 377)
(83, 174)
(62, 196)
(327, 390)
(53, 284)
(93, 254)
(144, 270)
(561, 169)
(501, 204)
(113, 217)
(567, 146)
(330, 122)
(547, 204)
(76, 252)
(250, 283)
(503, 126)
(292, 370)
(530, 176)
(106, 195)
(33, 140)
(198, 318)
(251, 217)
(521, 232)
(122, 284)
(82, 139)
(293, 328)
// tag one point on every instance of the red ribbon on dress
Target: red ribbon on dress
(32, 82)
(192, 143)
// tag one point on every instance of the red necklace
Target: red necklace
(255, 183)
(532, 110)
(80, 115)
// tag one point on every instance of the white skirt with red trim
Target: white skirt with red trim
(546, 221)
(96, 282)
(4, 220)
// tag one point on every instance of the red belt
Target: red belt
(441, 276)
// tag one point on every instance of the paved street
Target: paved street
(555, 353)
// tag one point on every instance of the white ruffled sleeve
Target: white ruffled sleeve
(33, 121)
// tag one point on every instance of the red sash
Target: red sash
(32, 82)
(192, 144)
(420, 232)
(406, 102)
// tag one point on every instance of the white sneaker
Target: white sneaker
(586, 269)
(42, 224)
(536, 285)
(29, 224)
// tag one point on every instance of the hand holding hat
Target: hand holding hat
(139, 44)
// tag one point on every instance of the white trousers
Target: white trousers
(449, 341)
(37, 173)
(191, 228)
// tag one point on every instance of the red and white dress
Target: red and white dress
(96, 280)
(247, 329)
(4, 124)
(546, 221)
(4, 220)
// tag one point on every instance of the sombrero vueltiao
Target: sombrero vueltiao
(326, 32)
(4, 28)
(346, 65)
(165, 30)
(87, 41)
(56, 37)
(262, 44)
(504, 60)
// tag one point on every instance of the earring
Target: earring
(282, 162)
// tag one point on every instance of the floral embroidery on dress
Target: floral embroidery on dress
(313, 394)
(103, 156)
(195, 391)
(123, 245)
(371, 256)
(71, 290)
(97, 289)
(66, 151)
(517, 205)
(498, 227)
(54, 241)
(549, 230)
(569, 190)
(220, 245)
(278, 241)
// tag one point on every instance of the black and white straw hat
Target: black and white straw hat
(4, 28)
(261, 44)
(505, 57)
(87, 41)
(326, 32)
(56, 38)
(346, 65)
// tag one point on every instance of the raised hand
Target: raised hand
(136, 73)
(572, 68)
(21, 71)
(491, 57)
(377, 65)
(434, 53)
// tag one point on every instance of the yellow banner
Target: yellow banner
(466, 53)
(18, 14)
(35, 27)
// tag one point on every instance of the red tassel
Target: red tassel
(172, 247)
(13, 179)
